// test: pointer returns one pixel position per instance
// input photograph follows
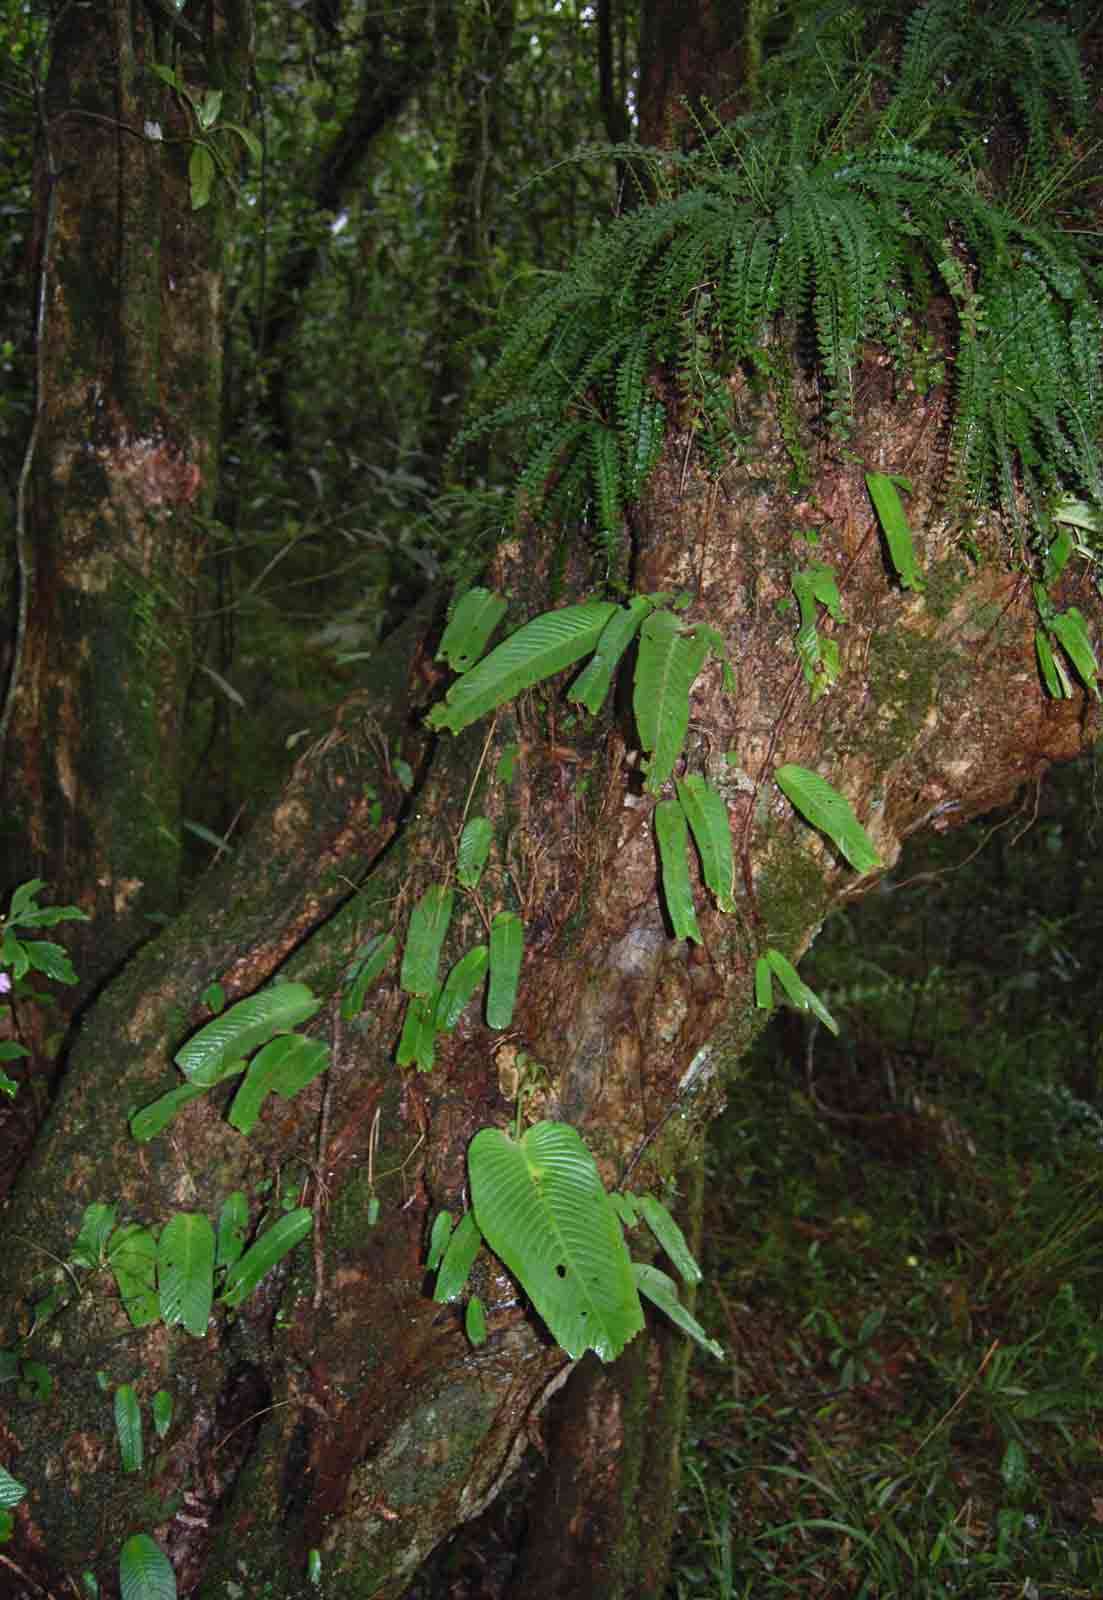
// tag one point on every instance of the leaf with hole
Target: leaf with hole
(800, 995)
(885, 495)
(459, 986)
(283, 1067)
(474, 847)
(145, 1571)
(672, 835)
(243, 1029)
(474, 619)
(132, 1257)
(593, 683)
(707, 815)
(538, 650)
(829, 811)
(458, 1259)
(542, 1207)
(185, 1271)
(424, 937)
(666, 667)
(276, 1242)
(507, 939)
(662, 1291)
(233, 1226)
(128, 1427)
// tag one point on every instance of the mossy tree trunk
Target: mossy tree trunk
(341, 1409)
(123, 466)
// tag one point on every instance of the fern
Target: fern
(838, 209)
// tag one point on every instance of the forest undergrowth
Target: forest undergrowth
(905, 1245)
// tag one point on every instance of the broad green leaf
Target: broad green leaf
(800, 995)
(666, 667)
(507, 939)
(460, 984)
(707, 815)
(128, 1427)
(507, 763)
(185, 1271)
(283, 1067)
(673, 839)
(208, 108)
(474, 1321)
(233, 1226)
(822, 585)
(595, 680)
(475, 618)
(1078, 514)
(214, 997)
(542, 1207)
(364, 971)
(11, 1490)
(1057, 558)
(417, 1045)
(132, 1256)
(50, 959)
(262, 1256)
(458, 1259)
(829, 811)
(162, 1412)
(201, 172)
(439, 1235)
(669, 1235)
(22, 898)
(428, 925)
(538, 650)
(153, 1119)
(625, 1207)
(1054, 676)
(248, 139)
(474, 847)
(662, 1291)
(96, 1227)
(890, 513)
(763, 985)
(145, 1571)
(241, 1030)
(1070, 628)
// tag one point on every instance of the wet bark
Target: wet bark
(341, 1409)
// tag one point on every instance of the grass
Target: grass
(905, 1257)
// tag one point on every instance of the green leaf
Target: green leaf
(201, 172)
(214, 997)
(673, 839)
(707, 815)
(829, 811)
(507, 938)
(132, 1257)
(314, 1567)
(11, 1490)
(439, 1235)
(248, 139)
(459, 986)
(898, 536)
(475, 618)
(458, 1259)
(763, 985)
(595, 680)
(233, 1226)
(128, 1427)
(670, 1236)
(283, 1067)
(50, 959)
(800, 995)
(90, 1584)
(8, 1086)
(1071, 630)
(262, 1256)
(538, 650)
(428, 925)
(241, 1030)
(475, 842)
(145, 1572)
(417, 1045)
(162, 1412)
(1078, 514)
(95, 1229)
(153, 1119)
(666, 667)
(1054, 676)
(625, 1207)
(208, 108)
(507, 762)
(662, 1291)
(185, 1271)
(365, 970)
(542, 1207)
(22, 899)
(1057, 558)
(474, 1321)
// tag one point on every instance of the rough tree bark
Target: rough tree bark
(342, 1409)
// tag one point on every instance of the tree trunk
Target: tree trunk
(341, 1409)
